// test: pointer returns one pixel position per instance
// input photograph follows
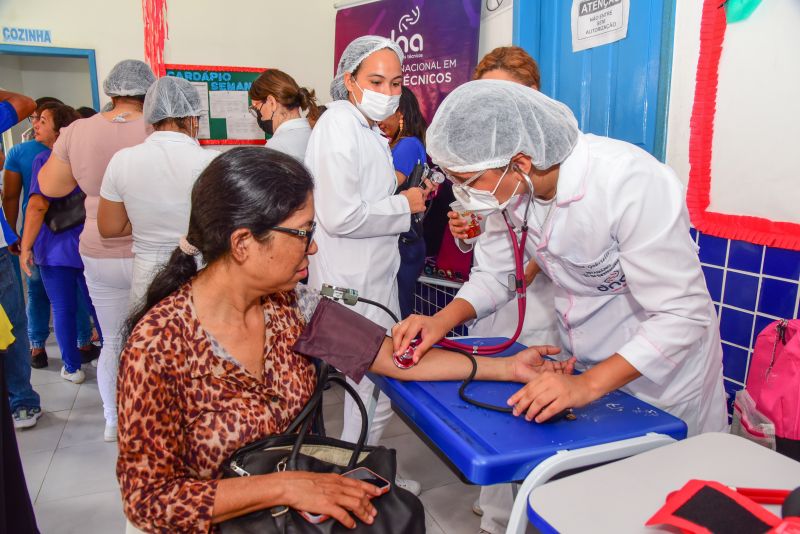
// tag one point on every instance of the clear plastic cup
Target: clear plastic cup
(476, 222)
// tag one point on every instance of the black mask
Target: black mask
(265, 125)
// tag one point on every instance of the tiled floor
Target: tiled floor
(71, 478)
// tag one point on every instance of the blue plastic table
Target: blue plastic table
(486, 447)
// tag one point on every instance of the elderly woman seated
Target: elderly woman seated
(209, 366)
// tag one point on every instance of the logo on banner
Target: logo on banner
(408, 20)
(414, 43)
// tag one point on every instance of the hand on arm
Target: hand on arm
(430, 329)
(112, 219)
(34, 216)
(550, 393)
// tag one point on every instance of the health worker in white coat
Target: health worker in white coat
(612, 233)
(276, 104)
(359, 218)
(147, 188)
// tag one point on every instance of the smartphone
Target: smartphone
(365, 475)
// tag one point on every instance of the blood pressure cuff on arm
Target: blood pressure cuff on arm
(342, 338)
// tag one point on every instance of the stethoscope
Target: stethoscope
(405, 360)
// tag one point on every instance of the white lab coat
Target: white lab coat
(359, 220)
(291, 138)
(359, 217)
(627, 278)
(154, 180)
(540, 325)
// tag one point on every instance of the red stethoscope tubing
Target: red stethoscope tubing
(519, 248)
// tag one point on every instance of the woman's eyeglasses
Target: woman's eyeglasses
(307, 234)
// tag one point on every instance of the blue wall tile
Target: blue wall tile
(714, 282)
(693, 233)
(745, 256)
(782, 262)
(741, 290)
(736, 327)
(713, 249)
(777, 297)
(734, 362)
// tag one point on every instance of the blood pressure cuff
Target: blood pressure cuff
(703, 507)
(342, 338)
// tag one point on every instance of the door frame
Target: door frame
(529, 11)
(47, 51)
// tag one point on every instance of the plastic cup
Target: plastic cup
(475, 222)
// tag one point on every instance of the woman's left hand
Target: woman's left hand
(551, 393)
(26, 260)
(528, 364)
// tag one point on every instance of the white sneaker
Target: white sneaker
(76, 378)
(409, 485)
(95, 362)
(476, 508)
(110, 433)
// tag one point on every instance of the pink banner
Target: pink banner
(439, 38)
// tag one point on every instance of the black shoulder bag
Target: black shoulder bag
(399, 511)
(66, 213)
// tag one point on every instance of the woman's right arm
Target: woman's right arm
(55, 178)
(34, 216)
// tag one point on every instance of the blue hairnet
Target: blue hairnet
(485, 123)
(129, 77)
(355, 53)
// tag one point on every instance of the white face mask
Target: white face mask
(376, 106)
(482, 202)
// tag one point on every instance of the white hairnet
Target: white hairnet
(129, 77)
(356, 52)
(171, 97)
(484, 123)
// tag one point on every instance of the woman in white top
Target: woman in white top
(611, 230)
(147, 188)
(277, 101)
(359, 216)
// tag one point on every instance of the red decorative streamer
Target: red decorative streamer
(698, 197)
(156, 31)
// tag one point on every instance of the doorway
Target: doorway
(69, 74)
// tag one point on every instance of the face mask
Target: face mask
(482, 202)
(265, 125)
(377, 106)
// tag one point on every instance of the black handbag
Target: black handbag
(399, 511)
(66, 213)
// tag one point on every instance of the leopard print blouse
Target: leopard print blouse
(185, 406)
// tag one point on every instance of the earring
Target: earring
(401, 125)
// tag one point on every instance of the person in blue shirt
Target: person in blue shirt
(405, 129)
(16, 191)
(15, 370)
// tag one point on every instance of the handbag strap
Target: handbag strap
(362, 437)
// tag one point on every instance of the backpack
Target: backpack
(773, 382)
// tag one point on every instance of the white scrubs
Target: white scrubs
(359, 219)
(154, 180)
(291, 138)
(627, 278)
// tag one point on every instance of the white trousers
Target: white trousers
(109, 283)
(144, 270)
(352, 418)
